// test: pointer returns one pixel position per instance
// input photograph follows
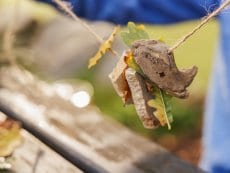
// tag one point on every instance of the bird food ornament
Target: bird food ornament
(146, 75)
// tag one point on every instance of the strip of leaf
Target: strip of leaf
(105, 46)
(161, 104)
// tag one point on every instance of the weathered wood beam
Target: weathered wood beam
(82, 132)
(33, 156)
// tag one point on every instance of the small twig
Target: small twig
(40, 153)
(203, 22)
(76, 18)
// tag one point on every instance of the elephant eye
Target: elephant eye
(161, 74)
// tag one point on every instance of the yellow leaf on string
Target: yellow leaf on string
(105, 46)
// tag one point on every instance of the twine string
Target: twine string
(76, 18)
(198, 27)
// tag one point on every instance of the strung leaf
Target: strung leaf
(105, 46)
(10, 137)
(161, 104)
(135, 32)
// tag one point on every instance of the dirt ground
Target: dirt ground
(188, 149)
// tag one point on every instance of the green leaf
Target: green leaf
(168, 107)
(135, 32)
(162, 106)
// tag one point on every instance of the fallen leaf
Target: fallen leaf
(10, 137)
(105, 46)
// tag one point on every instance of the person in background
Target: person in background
(216, 133)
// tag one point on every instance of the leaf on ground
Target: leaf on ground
(135, 32)
(162, 106)
(10, 137)
(105, 46)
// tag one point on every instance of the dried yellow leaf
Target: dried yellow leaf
(105, 46)
(10, 137)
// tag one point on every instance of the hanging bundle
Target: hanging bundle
(146, 74)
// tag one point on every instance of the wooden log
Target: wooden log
(99, 140)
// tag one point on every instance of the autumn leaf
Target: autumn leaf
(105, 46)
(135, 32)
(162, 106)
(10, 137)
(131, 62)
